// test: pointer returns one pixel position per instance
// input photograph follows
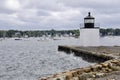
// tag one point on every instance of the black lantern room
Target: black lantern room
(89, 21)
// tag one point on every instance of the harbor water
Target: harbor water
(32, 58)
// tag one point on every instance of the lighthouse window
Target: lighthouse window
(89, 21)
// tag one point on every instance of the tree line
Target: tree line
(38, 33)
(110, 31)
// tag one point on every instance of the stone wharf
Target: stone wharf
(109, 65)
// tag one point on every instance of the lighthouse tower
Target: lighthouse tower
(89, 35)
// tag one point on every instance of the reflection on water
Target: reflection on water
(33, 58)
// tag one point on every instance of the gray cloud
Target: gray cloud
(4, 9)
(57, 14)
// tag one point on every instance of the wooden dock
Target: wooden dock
(107, 58)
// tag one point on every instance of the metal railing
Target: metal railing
(96, 25)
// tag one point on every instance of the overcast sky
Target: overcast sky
(57, 14)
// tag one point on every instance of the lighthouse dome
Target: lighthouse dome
(89, 16)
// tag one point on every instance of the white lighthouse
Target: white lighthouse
(89, 35)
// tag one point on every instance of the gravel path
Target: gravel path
(111, 76)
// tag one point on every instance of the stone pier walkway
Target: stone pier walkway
(105, 50)
(108, 69)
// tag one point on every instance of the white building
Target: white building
(89, 35)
